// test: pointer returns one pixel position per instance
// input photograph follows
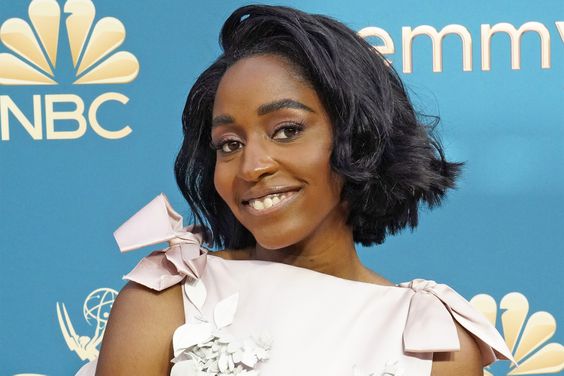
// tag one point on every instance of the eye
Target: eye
(227, 146)
(288, 131)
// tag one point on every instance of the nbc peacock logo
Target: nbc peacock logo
(526, 336)
(34, 47)
(92, 46)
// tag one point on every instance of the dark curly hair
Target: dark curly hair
(388, 157)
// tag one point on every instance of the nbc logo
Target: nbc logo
(526, 337)
(33, 61)
(45, 15)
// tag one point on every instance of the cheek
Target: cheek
(316, 164)
(222, 182)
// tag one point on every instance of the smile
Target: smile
(270, 203)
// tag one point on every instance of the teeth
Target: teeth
(258, 205)
(268, 201)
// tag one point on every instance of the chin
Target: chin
(279, 238)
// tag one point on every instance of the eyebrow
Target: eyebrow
(265, 109)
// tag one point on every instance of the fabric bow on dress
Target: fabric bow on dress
(155, 223)
(430, 325)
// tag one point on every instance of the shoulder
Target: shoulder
(138, 335)
(466, 362)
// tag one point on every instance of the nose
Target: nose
(257, 162)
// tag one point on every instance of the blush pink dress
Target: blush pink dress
(246, 317)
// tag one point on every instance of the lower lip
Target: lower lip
(287, 201)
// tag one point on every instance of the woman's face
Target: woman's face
(274, 140)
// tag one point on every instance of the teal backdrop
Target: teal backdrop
(501, 231)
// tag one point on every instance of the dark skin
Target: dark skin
(271, 130)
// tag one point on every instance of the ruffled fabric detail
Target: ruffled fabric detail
(430, 323)
(158, 222)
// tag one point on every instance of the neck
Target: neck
(329, 252)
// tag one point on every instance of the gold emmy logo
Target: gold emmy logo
(487, 31)
(35, 60)
(525, 336)
(97, 306)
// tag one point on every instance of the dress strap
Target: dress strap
(430, 323)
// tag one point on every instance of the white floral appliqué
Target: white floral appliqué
(204, 349)
(390, 369)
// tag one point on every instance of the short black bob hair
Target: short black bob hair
(388, 157)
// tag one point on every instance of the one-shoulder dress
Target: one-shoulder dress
(247, 317)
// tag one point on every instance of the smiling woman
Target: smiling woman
(273, 162)
(299, 141)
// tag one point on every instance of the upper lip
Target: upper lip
(256, 193)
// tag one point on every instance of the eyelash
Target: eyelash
(297, 126)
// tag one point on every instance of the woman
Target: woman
(299, 141)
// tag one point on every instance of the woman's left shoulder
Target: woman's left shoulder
(465, 362)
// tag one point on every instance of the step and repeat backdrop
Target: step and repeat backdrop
(91, 95)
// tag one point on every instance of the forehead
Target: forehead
(257, 79)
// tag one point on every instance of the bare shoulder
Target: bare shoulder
(466, 362)
(138, 337)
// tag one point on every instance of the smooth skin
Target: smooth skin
(270, 129)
